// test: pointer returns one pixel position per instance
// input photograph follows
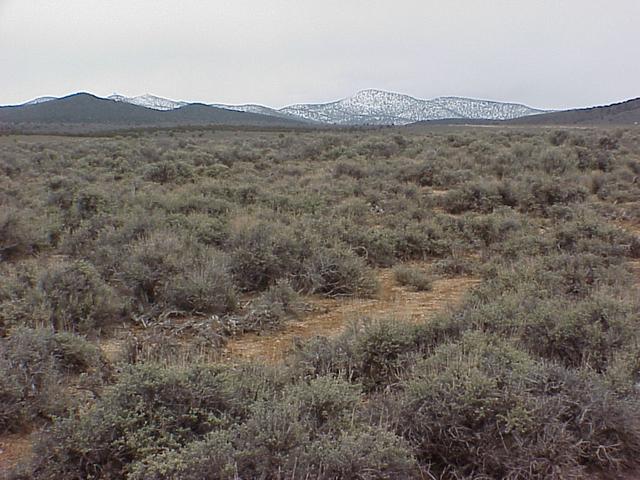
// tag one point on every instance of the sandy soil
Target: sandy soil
(14, 448)
(330, 317)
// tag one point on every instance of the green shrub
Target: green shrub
(545, 192)
(454, 266)
(21, 302)
(421, 240)
(375, 353)
(151, 261)
(271, 439)
(78, 299)
(413, 277)
(207, 287)
(19, 234)
(376, 245)
(207, 459)
(371, 454)
(325, 404)
(474, 196)
(89, 202)
(34, 366)
(337, 272)
(268, 310)
(262, 253)
(168, 171)
(149, 410)
(482, 408)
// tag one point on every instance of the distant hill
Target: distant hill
(622, 113)
(379, 107)
(89, 110)
(254, 108)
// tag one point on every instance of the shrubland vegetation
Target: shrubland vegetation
(535, 375)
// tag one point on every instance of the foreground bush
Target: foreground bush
(196, 423)
(35, 364)
(148, 411)
(481, 408)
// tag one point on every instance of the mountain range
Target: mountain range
(83, 112)
(367, 107)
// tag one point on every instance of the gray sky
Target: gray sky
(545, 53)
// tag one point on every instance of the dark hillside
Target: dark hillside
(623, 113)
(84, 108)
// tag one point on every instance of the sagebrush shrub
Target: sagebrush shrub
(34, 366)
(413, 277)
(77, 298)
(206, 287)
(337, 272)
(148, 411)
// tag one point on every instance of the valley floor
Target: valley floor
(346, 304)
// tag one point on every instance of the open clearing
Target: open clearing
(330, 316)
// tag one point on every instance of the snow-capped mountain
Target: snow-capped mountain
(149, 101)
(253, 108)
(378, 107)
(367, 107)
(38, 100)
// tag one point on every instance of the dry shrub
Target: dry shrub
(413, 277)
(337, 272)
(77, 298)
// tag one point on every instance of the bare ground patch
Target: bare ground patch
(15, 448)
(330, 317)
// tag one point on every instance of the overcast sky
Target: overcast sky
(545, 53)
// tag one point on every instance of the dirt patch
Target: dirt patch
(436, 192)
(330, 317)
(627, 224)
(631, 227)
(14, 449)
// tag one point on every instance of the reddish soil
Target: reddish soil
(330, 317)
(631, 227)
(14, 448)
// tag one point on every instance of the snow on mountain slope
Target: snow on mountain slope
(377, 107)
(149, 101)
(253, 108)
(367, 107)
(485, 109)
(38, 100)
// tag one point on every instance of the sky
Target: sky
(544, 53)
